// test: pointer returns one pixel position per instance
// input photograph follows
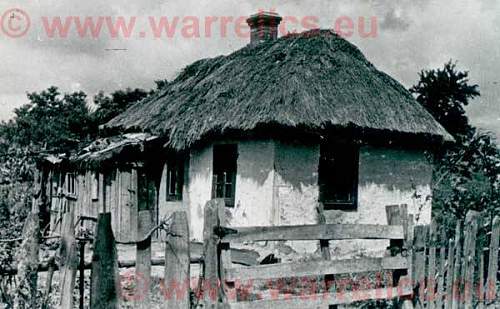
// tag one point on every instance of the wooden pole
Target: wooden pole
(69, 260)
(81, 269)
(104, 278)
(431, 277)
(143, 260)
(177, 263)
(491, 281)
(27, 255)
(210, 252)
(471, 227)
(456, 269)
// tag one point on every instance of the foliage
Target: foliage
(444, 93)
(467, 171)
(108, 106)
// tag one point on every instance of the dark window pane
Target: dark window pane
(175, 177)
(224, 165)
(338, 176)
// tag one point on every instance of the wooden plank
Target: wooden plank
(419, 255)
(442, 270)
(143, 260)
(104, 276)
(323, 243)
(456, 269)
(480, 286)
(471, 227)
(315, 232)
(210, 253)
(238, 256)
(431, 274)
(316, 268)
(491, 281)
(69, 260)
(177, 263)
(449, 272)
(323, 300)
(27, 256)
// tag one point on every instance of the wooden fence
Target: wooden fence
(218, 267)
(423, 267)
(459, 271)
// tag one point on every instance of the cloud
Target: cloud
(393, 20)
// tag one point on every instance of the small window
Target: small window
(95, 186)
(175, 178)
(71, 183)
(338, 176)
(224, 182)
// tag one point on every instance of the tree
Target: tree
(467, 171)
(108, 106)
(50, 121)
(444, 93)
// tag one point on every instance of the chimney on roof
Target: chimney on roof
(264, 27)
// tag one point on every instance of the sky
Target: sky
(409, 36)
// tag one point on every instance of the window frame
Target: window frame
(175, 163)
(228, 165)
(327, 184)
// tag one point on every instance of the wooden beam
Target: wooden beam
(323, 300)
(316, 268)
(104, 276)
(315, 232)
(143, 258)
(177, 261)
(491, 281)
(210, 253)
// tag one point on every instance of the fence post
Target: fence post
(431, 276)
(455, 299)
(398, 215)
(25, 294)
(143, 260)
(69, 259)
(177, 263)
(469, 262)
(104, 278)
(491, 282)
(211, 281)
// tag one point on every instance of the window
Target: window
(70, 183)
(338, 176)
(224, 182)
(175, 178)
(95, 186)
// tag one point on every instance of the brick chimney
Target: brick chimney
(264, 27)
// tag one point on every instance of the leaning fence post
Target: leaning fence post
(69, 260)
(210, 253)
(104, 278)
(143, 260)
(177, 263)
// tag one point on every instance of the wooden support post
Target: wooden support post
(177, 263)
(442, 269)
(143, 260)
(211, 282)
(27, 255)
(449, 273)
(398, 215)
(104, 278)
(456, 268)
(491, 281)
(469, 262)
(431, 275)
(69, 259)
(81, 273)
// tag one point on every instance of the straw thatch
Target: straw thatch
(315, 80)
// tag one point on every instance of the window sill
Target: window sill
(344, 206)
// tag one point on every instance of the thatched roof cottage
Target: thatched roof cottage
(283, 126)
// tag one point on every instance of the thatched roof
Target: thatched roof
(315, 80)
